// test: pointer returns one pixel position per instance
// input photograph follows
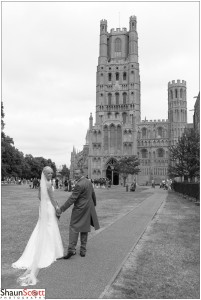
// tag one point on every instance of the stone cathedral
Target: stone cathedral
(118, 129)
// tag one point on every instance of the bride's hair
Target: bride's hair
(46, 169)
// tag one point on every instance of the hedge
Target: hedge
(187, 188)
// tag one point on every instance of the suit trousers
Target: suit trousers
(73, 238)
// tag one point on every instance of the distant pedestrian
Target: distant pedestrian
(60, 184)
(30, 183)
(153, 183)
(57, 183)
(109, 182)
(133, 186)
(35, 181)
(66, 185)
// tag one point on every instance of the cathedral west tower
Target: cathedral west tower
(117, 129)
(117, 99)
(117, 77)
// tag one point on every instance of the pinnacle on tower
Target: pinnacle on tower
(103, 26)
(133, 21)
(90, 121)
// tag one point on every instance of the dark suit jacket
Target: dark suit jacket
(83, 214)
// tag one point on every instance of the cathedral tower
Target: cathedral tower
(177, 109)
(118, 79)
(117, 129)
(117, 98)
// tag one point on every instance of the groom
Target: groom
(83, 213)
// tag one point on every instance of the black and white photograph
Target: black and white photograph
(100, 150)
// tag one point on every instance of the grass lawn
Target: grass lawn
(166, 262)
(20, 213)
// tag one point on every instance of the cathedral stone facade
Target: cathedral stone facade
(118, 129)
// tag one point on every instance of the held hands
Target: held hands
(58, 212)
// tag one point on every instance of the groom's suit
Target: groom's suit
(83, 213)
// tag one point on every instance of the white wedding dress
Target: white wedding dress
(45, 244)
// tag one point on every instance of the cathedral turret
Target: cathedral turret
(72, 165)
(103, 42)
(134, 72)
(132, 23)
(90, 121)
(177, 109)
(133, 40)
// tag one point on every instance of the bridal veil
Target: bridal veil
(32, 258)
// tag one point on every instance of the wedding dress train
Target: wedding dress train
(44, 245)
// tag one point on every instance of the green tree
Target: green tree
(65, 172)
(128, 165)
(185, 156)
(9, 157)
(13, 161)
(2, 116)
(35, 166)
(4, 138)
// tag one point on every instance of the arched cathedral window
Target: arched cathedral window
(117, 76)
(160, 132)
(117, 98)
(171, 94)
(181, 93)
(106, 138)
(124, 117)
(130, 149)
(144, 153)
(124, 76)
(112, 136)
(117, 47)
(144, 132)
(160, 152)
(109, 76)
(119, 137)
(109, 99)
(124, 98)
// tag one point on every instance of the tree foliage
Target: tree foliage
(2, 116)
(65, 172)
(15, 164)
(185, 156)
(128, 165)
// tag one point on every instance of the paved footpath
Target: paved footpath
(87, 277)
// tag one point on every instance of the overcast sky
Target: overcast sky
(50, 55)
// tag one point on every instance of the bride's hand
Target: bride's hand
(58, 211)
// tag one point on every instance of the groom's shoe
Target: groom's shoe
(69, 254)
(82, 254)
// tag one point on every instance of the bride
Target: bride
(45, 244)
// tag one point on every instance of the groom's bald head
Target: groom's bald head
(78, 173)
